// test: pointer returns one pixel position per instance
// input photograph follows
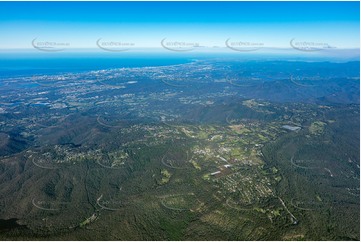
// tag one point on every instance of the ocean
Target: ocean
(25, 64)
(28, 63)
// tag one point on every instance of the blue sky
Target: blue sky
(145, 24)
